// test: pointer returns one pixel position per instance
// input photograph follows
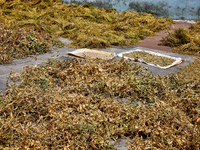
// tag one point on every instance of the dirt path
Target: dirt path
(152, 42)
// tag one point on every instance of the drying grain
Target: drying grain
(94, 55)
(150, 58)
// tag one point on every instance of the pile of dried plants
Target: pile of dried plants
(71, 105)
(183, 40)
(21, 43)
(85, 25)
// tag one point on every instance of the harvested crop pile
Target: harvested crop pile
(69, 105)
(192, 71)
(94, 55)
(20, 43)
(150, 58)
(85, 25)
(183, 40)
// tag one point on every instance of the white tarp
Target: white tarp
(177, 61)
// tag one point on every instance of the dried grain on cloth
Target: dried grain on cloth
(176, 61)
(83, 53)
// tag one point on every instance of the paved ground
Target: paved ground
(60, 53)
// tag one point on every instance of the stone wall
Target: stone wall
(175, 9)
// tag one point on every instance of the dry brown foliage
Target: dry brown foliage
(71, 105)
(85, 25)
(184, 41)
(21, 43)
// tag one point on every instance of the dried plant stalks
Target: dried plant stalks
(70, 105)
(21, 43)
(150, 58)
(85, 25)
(183, 40)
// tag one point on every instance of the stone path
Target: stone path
(60, 53)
